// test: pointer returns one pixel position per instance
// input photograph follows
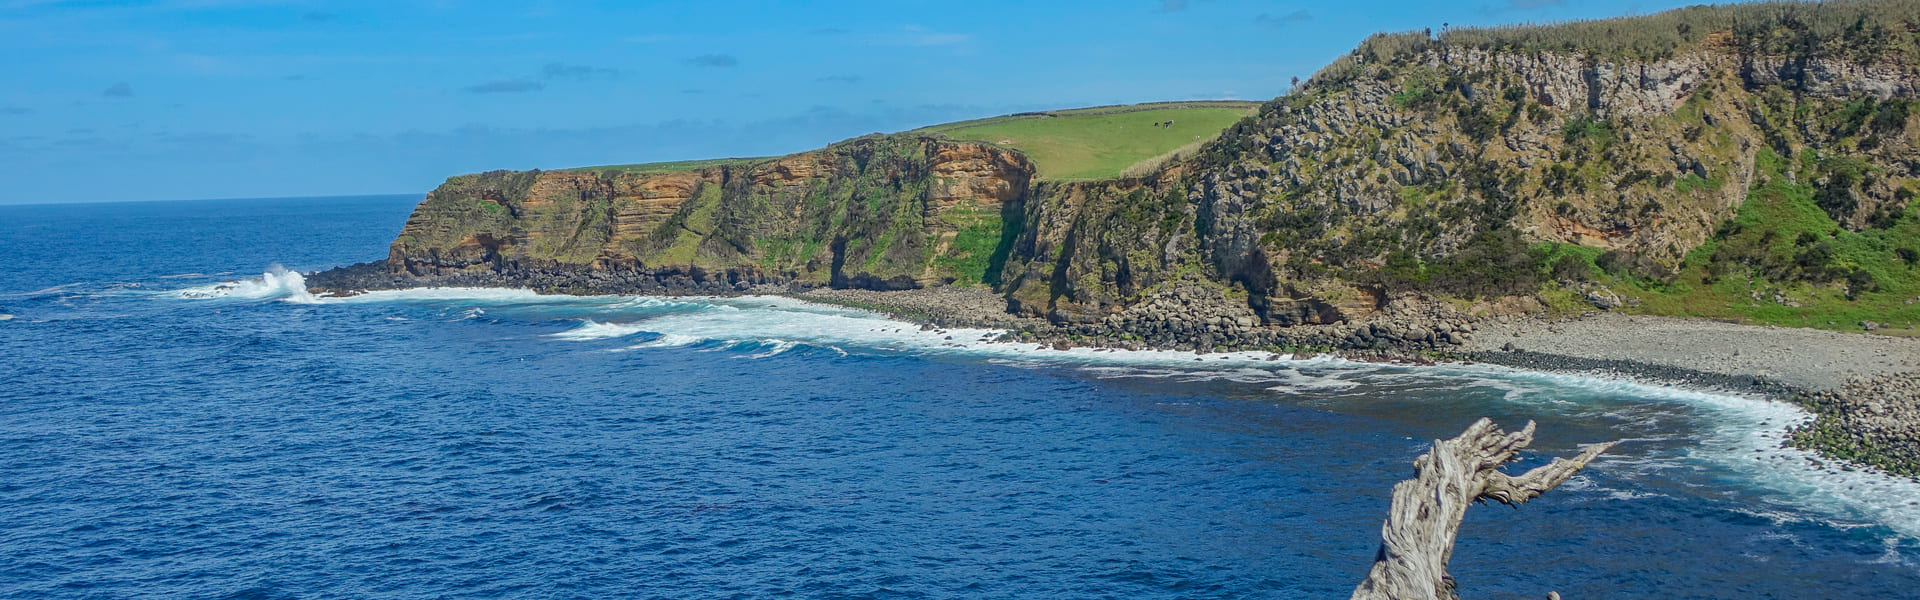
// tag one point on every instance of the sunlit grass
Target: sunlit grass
(1101, 143)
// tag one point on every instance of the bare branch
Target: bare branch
(1424, 519)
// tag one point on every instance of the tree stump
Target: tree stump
(1417, 538)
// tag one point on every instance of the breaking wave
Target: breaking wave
(1741, 434)
(594, 330)
(277, 283)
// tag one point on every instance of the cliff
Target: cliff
(1753, 161)
(879, 212)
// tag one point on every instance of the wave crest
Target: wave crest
(278, 283)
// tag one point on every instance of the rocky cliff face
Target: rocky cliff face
(1459, 170)
(1415, 166)
(879, 212)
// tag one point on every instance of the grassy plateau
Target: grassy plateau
(1106, 142)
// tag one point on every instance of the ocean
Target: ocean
(180, 419)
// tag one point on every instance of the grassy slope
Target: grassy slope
(1100, 143)
(1781, 219)
(1084, 143)
(1743, 272)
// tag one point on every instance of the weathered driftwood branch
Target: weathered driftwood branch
(1417, 538)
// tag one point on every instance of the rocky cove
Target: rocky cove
(1479, 195)
(1862, 388)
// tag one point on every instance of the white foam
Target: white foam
(6, 317)
(277, 283)
(778, 320)
(1742, 434)
(670, 341)
(594, 330)
(1745, 434)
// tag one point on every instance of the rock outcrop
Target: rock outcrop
(882, 212)
(1459, 169)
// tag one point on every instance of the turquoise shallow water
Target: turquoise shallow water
(175, 423)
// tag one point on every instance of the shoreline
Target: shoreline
(1863, 390)
(1866, 411)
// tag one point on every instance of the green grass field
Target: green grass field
(1082, 143)
(1099, 143)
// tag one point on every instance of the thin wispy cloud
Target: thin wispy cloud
(1282, 21)
(16, 110)
(840, 79)
(318, 17)
(551, 72)
(118, 90)
(566, 71)
(829, 31)
(714, 61)
(511, 86)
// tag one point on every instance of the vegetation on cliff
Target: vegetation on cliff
(929, 207)
(1751, 161)
(1562, 162)
(1103, 142)
(1862, 30)
(880, 211)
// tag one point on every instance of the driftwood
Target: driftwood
(1417, 538)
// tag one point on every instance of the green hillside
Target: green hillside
(1077, 144)
(1105, 142)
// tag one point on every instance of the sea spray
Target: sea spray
(278, 283)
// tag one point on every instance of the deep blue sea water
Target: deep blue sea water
(178, 421)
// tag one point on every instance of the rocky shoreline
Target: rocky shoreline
(1863, 389)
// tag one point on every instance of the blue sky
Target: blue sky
(110, 101)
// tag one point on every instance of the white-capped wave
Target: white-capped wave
(594, 330)
(6, 317)
(277, 283)
(670, 340)
(779, 320)
(1742, 434)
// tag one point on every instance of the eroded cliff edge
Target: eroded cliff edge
(881, 212)
(1756, 161)
(1463, 169)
